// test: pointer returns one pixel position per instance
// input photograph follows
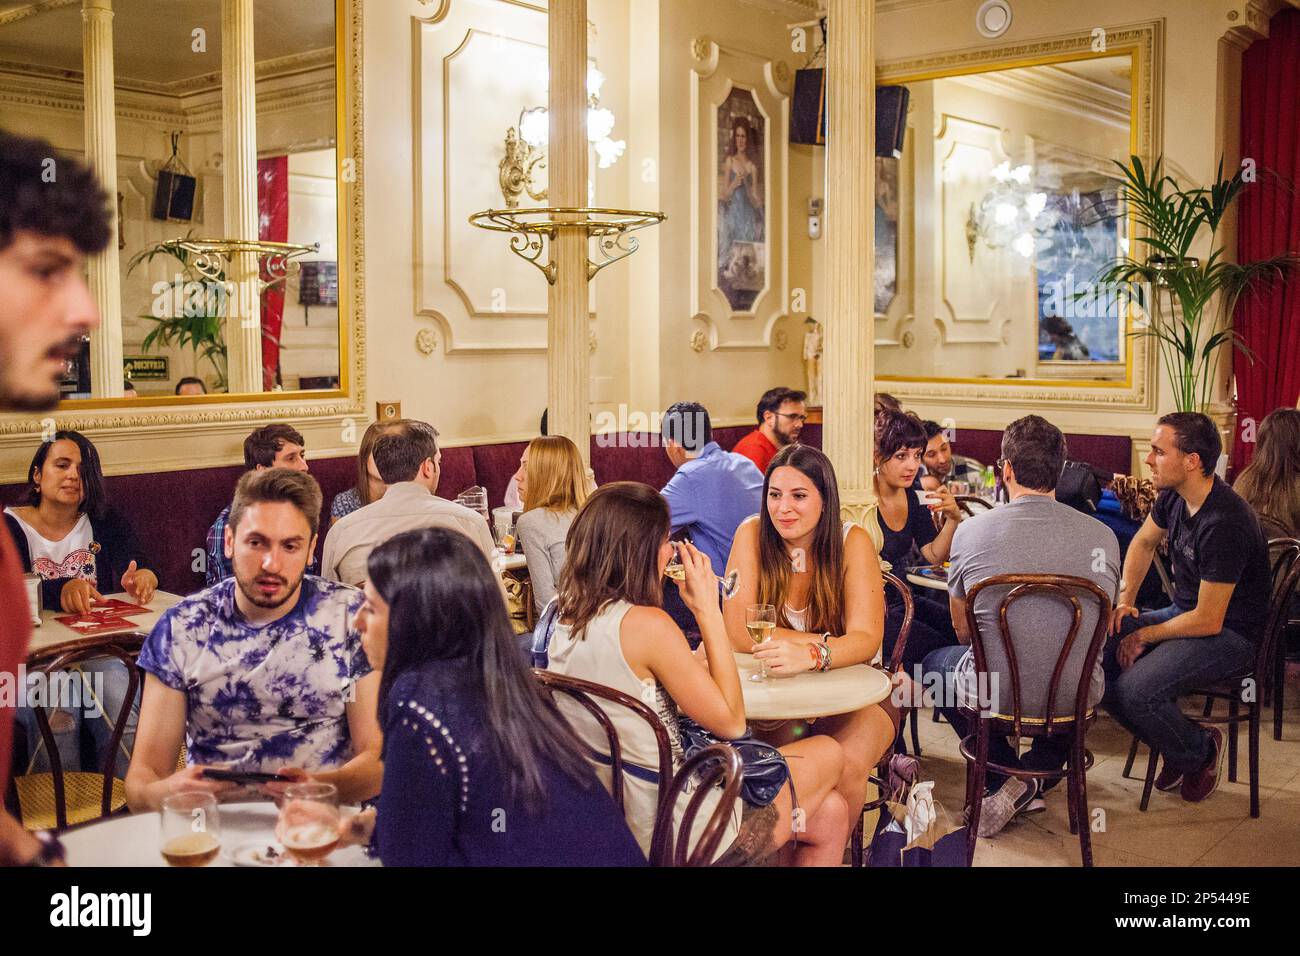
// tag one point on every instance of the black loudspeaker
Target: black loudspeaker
(891, 120)
(808, 113)
(174, 198)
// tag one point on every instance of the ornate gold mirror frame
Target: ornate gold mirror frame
(1137, 391)
(200, 430)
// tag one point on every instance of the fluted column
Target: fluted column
(568, 389)
(101, 154)
(239, 182)
(847, 358)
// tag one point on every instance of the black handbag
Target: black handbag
(765, 769)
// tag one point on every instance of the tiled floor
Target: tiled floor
(1216, 832)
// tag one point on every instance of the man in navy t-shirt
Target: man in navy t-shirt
(1222, 590)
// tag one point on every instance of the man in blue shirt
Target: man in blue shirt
(713, 490)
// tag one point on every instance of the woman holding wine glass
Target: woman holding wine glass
(613, 630)
(910, 535)
(823, 581)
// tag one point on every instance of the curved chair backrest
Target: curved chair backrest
(587, 693)
(714, 765)
(92, 649)
(1062, 587)
(909, 609)
(1284, 554)
(972, 504)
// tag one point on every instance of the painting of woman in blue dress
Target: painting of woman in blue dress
(742, 256)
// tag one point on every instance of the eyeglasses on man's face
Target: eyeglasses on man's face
(794, 417)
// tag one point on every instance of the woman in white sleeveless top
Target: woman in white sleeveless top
(612, 631)
(824, 580)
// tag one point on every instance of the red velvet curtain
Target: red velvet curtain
(1268, 224)
(272, 226)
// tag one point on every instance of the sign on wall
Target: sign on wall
(145, 368)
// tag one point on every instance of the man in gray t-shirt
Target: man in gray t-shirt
(1032, 534)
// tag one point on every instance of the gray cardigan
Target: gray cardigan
(542, 533)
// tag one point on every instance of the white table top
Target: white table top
(513, 562)
(840, 690)
(920, 580)
(135, 840)
(51, 634)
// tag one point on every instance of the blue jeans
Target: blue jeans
(1144, 698)
(76, 731)
(1044, 753)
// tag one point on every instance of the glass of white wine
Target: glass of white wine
(191, 828)
(309, 822)
(760, 621)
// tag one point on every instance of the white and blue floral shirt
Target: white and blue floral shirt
(261, 698)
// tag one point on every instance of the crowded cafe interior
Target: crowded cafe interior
(828, 433)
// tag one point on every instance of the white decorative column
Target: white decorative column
(101, 155)
(568, 386)
(847, 359)
(239, 182)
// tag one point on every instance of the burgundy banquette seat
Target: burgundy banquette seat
(171, 511)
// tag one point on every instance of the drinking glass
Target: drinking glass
(309, 821)
(677, 571)
(760, 621)
(190, 828)
(959, 488)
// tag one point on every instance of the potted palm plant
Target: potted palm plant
(1175, 291)
(200, 323)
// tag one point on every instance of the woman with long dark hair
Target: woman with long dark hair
(1271, 482)
(480, 768)
(69, 535)
(823, 577)
(613, 630)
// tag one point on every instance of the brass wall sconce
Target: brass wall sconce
(517, 167)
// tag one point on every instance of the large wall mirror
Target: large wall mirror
(174, 182)
(1000, 213)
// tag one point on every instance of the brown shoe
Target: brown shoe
(1168, 778)
(1199, 785)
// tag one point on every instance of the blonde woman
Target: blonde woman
(553, 485)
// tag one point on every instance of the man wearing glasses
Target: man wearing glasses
(781, 413)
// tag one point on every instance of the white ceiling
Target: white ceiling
(152, 39)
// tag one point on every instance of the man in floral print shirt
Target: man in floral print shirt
(264, 671)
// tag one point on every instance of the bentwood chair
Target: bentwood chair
(718, 765)
(588, 694)
(1244, 688)
(879, 778)
(971, 505)
(1279, 549)
(1073, 592)
(58, 798)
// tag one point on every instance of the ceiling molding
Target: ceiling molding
(41, 6)
(285, 66)
(787, 8)
(1054, 88)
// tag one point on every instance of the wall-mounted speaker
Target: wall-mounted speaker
(808, 113)
(173, 199)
